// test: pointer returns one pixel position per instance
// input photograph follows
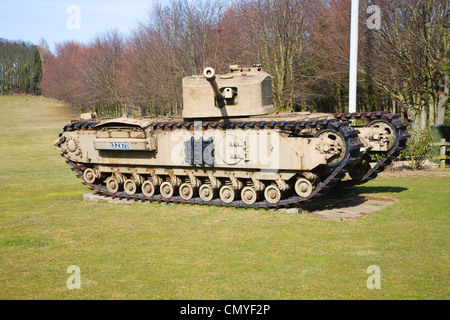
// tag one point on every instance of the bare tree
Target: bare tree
(303, 44)
(276, 36)
(178, 39)
(101, 61)
(411, 49)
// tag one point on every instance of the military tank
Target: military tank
(229, 147)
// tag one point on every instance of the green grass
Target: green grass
(155, 251)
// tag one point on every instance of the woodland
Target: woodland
(403, 63)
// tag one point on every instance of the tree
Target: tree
(411, 49)
(179, 39)
(100, 63)
(85, 76)
(20, 67)
(275, 34)
(330, 46)
(303, 44)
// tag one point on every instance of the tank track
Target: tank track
(352, 156)
(398, 145)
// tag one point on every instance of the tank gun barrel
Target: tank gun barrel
(210, 75)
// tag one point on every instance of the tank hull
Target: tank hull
(260, 162)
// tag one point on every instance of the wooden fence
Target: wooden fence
(442, 155)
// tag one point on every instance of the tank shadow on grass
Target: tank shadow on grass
(350, 198)
(380, 189)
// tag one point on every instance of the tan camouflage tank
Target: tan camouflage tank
(230, 148)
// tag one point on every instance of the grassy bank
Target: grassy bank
(155, 251)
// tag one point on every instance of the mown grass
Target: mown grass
(155, 251)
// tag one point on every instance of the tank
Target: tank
(230, 148)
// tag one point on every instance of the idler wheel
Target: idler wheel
(89, 175)
(166, 189)
(129, 186)
(148, 189)
(272, 194)
(112, 185)
(186, 191)
(383, 129)
(227, 194)
(206, 192)
(249, 195)
(333, 143)
(303, 187)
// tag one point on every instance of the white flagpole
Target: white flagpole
(353, 56)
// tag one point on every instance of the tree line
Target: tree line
(403, 63)
(20, 67)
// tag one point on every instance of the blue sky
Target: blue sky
(32, 20)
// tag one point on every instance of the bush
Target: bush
(418, 147)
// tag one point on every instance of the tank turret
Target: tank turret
(243, 92)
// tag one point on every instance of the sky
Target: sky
(63, 20)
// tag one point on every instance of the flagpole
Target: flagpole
(353, 56)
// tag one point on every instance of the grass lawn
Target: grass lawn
(155, 251)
